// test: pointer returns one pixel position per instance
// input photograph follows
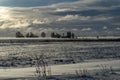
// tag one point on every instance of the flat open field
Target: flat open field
(64, 58)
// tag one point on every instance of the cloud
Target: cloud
(105, 27)
(74, 29)
(86, 29)
(43, 21)
(101, 18)
(68, 18)
(63, 10)
(118, 28)
(78, 15)
(73, 17)
(84, 18)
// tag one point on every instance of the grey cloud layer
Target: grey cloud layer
(83, 16)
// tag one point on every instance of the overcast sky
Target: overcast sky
(84, 17)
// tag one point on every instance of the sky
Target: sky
(83, 17)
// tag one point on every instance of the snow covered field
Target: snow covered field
(61, 69)
(89, 56)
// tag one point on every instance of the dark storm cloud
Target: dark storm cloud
(92, 12)
(100, 7)
(107, 3)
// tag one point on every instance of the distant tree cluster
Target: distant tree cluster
(68, 35)
(43, 34)
(28, 35)
(19, 34)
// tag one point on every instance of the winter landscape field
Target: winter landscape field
(65, 61)
(59, 39)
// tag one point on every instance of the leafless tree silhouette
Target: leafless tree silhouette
(40, 65)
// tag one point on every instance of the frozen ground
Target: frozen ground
(91, 66)
(91, 56)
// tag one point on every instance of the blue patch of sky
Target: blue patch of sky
(31, 3)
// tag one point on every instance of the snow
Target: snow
(93, 53)
(59, 69)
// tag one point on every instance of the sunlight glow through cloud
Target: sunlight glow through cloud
(4, 13)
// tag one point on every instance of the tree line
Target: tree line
(68, 34)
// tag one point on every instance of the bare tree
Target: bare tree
(40, 65)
